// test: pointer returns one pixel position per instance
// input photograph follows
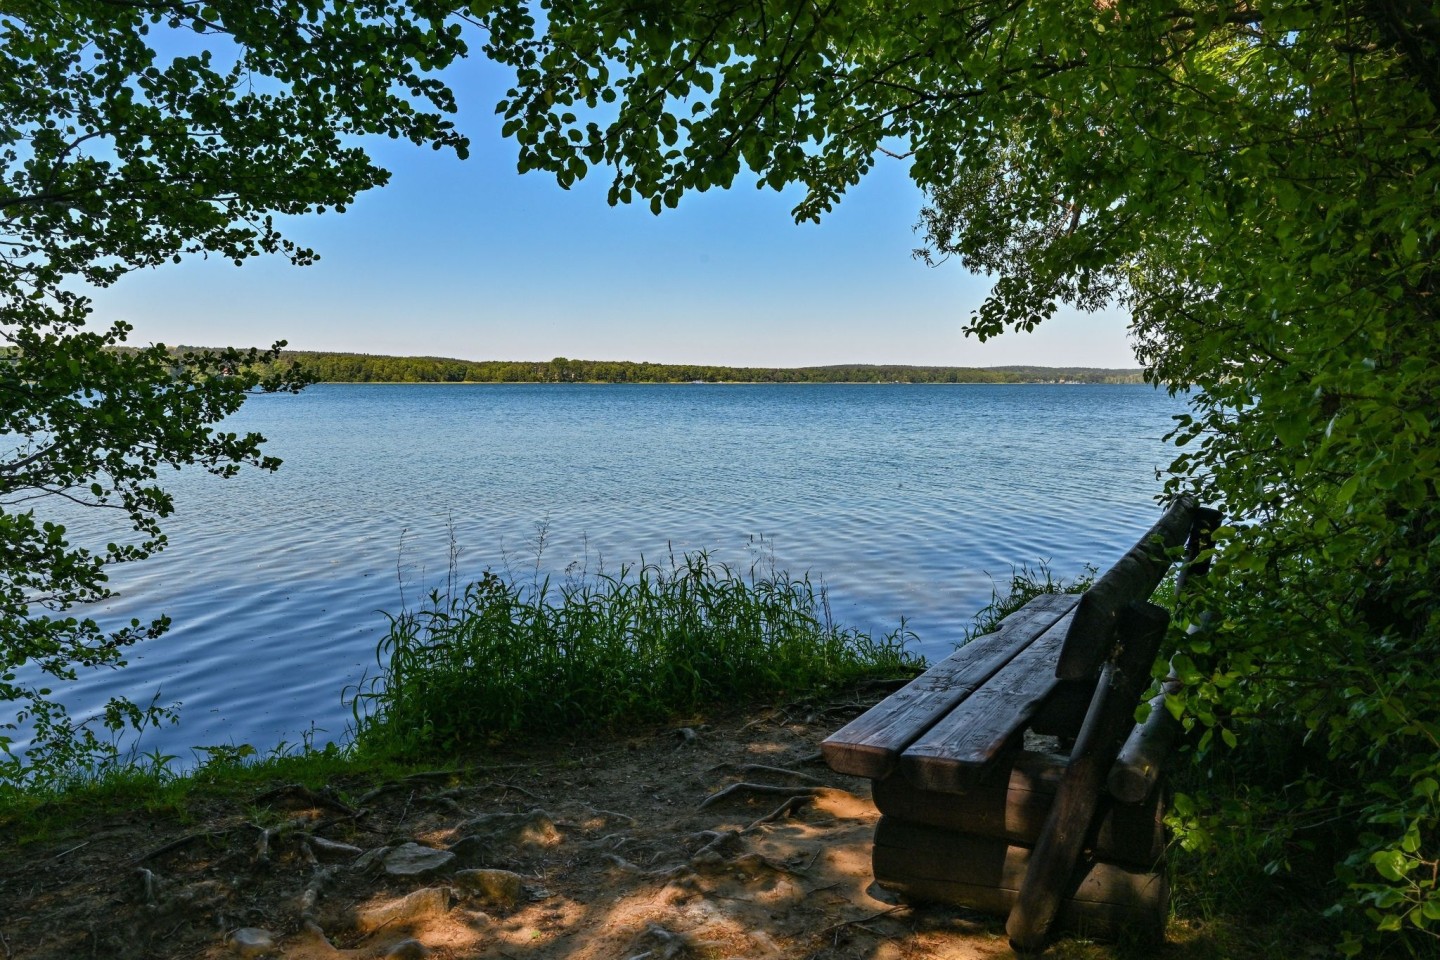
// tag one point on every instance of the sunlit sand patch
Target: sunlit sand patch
(616, 858)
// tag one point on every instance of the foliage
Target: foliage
(131, 135)
(156, 781)
(365, 368)
(503, 658)
(1257, 183)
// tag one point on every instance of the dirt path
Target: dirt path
(619, 850)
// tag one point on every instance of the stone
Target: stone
(312, 944)
(470, 851)
(424, 904)
(534, 828)
(498, 887)
(408, 950)
(370, 858)
(414, 860)
(475, 919)
(252, 942)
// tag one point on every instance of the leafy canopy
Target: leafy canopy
(1256, 182)
(132, 134)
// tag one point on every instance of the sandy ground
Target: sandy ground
(612, 849)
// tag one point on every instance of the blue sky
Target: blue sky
(469, 259)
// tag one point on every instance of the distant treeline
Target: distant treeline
(364, 368)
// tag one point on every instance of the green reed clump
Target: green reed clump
(652, 642)
(1025, 585)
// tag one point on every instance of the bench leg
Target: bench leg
(1111, 714)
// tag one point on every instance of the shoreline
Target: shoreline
(733, 383)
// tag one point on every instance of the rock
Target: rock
(370, 858)
(252, 942)
(706, 859)
(413, 860)
(498, 887)
(408, 950)
(475, 919)
(470, 851)
(534, 828)
(423, 904)
(312, 944)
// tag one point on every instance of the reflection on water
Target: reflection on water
(905, 500)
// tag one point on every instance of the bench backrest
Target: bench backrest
(1132, 580)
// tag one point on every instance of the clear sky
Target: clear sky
(469, 259)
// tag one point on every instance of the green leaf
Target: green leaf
(1391, 864)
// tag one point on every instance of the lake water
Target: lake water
(906, 500)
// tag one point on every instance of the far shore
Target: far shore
(335, 367)
(727, 383)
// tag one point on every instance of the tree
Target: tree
(1256, 181)
(134, 133)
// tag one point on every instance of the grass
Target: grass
(1025, 585)
(44, 810)
(500, 659)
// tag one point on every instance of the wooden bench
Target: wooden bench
(972, 817)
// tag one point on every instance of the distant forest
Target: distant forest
(364, 368)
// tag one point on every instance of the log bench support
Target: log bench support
(1055, 843)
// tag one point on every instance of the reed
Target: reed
(501, 658)
(1025, 585)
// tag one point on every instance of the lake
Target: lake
(905, 500)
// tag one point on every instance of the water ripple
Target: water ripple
(906, 500)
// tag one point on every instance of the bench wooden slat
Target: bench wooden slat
(953, 751)
(1112, 712)
(871, 744)
(1013, 802)
(984, 873)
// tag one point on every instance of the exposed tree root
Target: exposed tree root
(761, 788)
(747, 768)
(147, 883)
(716, 840)
(333, 847)
(859, 921)
(611, 814)
(184, 841)
(784, 810)
(407, 781)
(314, 798)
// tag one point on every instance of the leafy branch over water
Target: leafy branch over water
(650, 642)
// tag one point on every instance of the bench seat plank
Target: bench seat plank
(871, 744)
(954, 750)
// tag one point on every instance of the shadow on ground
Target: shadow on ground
(727, 839)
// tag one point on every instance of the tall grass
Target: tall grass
(502, 658)
(1025, 585)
